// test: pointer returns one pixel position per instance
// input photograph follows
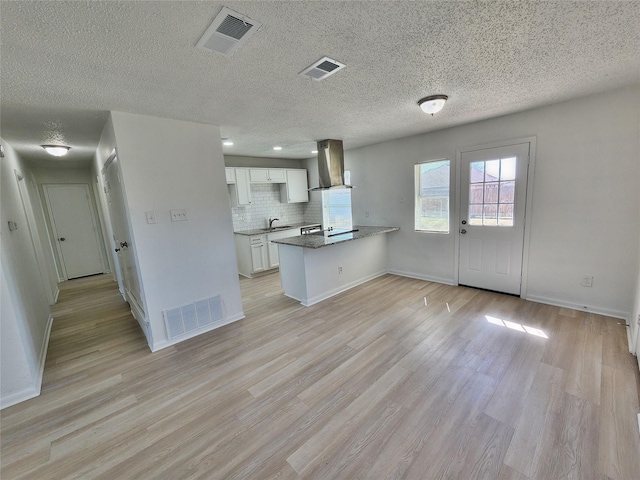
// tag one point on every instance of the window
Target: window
(432, 196)
(492, 192)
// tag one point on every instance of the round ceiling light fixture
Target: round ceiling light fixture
(433, 103)
(56, 150)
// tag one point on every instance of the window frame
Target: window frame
(417, 196)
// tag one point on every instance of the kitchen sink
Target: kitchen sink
(279, 227)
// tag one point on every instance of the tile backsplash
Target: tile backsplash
(265, 203)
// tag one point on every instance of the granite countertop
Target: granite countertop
(260, 231)
(318, 241)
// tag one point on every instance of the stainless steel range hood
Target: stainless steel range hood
(331, 165)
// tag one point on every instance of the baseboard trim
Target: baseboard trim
(582, 308)
(56, 294)
(419, 276)
(343, 288)
(19, 397)
(167, 343)
(34, 390)
(43, 355)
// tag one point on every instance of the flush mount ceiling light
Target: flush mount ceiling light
(433, 103)
(277, 148)
(56, 150)
(228, 142)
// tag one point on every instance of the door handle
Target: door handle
(463, 231)
(62, 239)
(124, 244)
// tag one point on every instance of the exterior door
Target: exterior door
(75, 229)
(492, 212)
(125, 258)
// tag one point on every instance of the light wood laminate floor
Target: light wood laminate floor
(397, 378)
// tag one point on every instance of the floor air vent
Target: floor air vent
(191, 317)
(228, 31)
(322, 69)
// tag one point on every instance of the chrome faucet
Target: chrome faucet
(271, 220)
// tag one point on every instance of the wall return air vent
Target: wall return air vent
(228, 31)
(322, 69)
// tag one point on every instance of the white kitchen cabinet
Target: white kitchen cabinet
(256, 253)
(267, 175)
(230, 173)
(240, 192)
(259, 255)
(296, 189)
(252, 254)
(274, 260)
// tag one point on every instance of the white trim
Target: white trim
(420, 276)
(19, 397)
(526, 241)
(34, 390)
(34, 235)
(333, 292)
(43, 354)
(166, 343)
(582, 308)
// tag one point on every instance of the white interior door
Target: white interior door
(492, 213)
(121, 233)
(75, 229)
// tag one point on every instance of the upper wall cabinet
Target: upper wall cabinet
(267, 175)
(296, 189)
(230, 173)
(240, 191)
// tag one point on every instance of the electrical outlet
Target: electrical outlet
(151, 217)
(587, 281)
(339, 269)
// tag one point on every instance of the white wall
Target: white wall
(25, 322)
(585, 198)
(169, 164)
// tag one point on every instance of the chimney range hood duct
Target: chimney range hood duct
(331, 165)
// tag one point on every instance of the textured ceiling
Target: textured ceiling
(64, 65)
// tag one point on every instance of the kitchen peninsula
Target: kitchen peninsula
(318, 266)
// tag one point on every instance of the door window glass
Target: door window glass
(492, 192)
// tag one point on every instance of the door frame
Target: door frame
(54, 228)
(527, 209)
(34, 236)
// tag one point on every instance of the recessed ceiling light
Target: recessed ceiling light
(56, 150)
(277, 148)
(314, 151)
(432, 104)
(227, 142)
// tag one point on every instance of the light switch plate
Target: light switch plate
(179, 215)
(152, 217)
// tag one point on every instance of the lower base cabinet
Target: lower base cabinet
(257, 254)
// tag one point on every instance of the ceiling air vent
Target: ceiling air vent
(322, 69)
(228, 31)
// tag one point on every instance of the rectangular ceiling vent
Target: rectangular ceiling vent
(228, 31)
(322, 69)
